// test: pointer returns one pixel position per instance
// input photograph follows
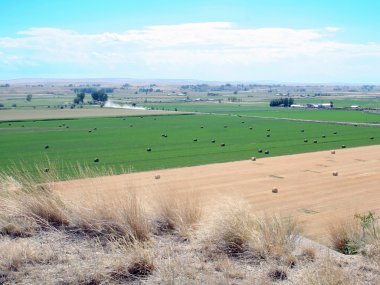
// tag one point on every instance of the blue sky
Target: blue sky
(288, 40)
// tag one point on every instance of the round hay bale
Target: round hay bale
(250, 128)
(222, 144)
(243, 122)
(22, 126)
(148, 149)
(46, 146)
(123, 119)
(333, 152)
(157, 176)
(202, 127)
(225, 127)
(95, 129)
(302, 131)
(305, 140)
(343, 146)
(266, 152)
(315, 141)
(274, 190)
(96, 160)
(253, 158)
(371, 138)
(323, 136)
(89, 131)
(195, 140)
(67, 127)
(268, 130)
(130, 126)
(260, 150)
(335, 133)
(268, 135)
(46, 170)
(335, 173)
(213, 141)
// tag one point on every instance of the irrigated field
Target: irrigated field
(264, 111)
(155, 142)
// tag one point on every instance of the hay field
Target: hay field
(43, 114)
(307, 188)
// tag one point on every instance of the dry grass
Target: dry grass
(328, 273)
(180, 213)
(16, 253)
(235, 230)
(121, 217)
(345, 235)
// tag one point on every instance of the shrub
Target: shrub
(345, 236)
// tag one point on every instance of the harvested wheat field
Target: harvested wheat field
(38, 114)
(307, 188)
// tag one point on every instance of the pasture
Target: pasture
(155, 142)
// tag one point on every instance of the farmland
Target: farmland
(264, 111)
(122, 143)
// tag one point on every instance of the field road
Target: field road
(307, 188)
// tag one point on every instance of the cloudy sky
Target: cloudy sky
(287, 41)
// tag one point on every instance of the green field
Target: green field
(264, 111)
(123, 142)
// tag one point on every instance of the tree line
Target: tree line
(282, 102)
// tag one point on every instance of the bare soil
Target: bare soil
(306, 186)
(9, 115)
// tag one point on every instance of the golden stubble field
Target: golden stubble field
(306, 186)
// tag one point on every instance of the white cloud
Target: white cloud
(187, 49)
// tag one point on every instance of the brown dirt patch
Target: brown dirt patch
(9, 115)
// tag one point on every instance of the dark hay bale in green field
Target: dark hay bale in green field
(46, 170)
(266, 152)
(59, 126)
(268, 135)
(22, 126)
(123, 119)
(356, 125)
(315, 141)
(89, 131)
(141, 117)
(268, 130)
(96, 160)
(225, 127)
(155, 119)
(260, 150)
(302, 131)
(95, 129)
(343, 146)
(130, 126)
(213, 141)
(243, 122)
(202, 127)
(222, 144)
(9, 124)
(250, 128)
(335, 133)
(195, 140)
(46, 146)
(148, 149)
(67, 127)
(371, 138)
(305, 140)
(323, 136)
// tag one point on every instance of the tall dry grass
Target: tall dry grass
(235, 230)
(179, 213)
